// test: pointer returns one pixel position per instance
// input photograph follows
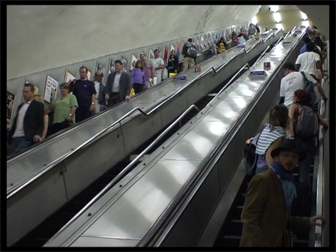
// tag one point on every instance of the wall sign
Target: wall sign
(51, 84)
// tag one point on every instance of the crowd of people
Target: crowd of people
(287, 144)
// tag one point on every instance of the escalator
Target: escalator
(43, 232)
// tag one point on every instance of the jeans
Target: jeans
(138, 88)
(18, 144)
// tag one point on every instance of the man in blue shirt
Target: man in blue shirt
(85, 92)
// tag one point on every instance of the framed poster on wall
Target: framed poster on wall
(172, 48)
(111, 66)
(165, 54)
(100, 67)
(10, 103)
(125, 63)
(150, 54)
(51, 84)
(69, 76)
(133, 60)
(178, 49)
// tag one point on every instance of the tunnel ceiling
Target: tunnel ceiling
(42, 37)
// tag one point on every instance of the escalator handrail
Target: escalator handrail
(259, 41)
(263, 53)
(246, 66)
(124, 172)
(321, 177)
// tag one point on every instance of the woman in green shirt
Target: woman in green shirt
(64, 109)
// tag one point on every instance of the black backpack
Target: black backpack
(250, 157)
(309, 86)
(191, 51)
(306, 122)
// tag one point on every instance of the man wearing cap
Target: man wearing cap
(269, 197)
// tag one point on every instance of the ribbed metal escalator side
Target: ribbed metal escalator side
(192, 224)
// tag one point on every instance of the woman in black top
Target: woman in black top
(172, 63)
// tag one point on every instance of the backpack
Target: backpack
(250, 157)
(309, 86)
(191, 51)
(306, 122)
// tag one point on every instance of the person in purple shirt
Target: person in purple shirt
(138, 79)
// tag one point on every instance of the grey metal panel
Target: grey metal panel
(197, 91)
(104, 242)
(173, 108)
(29, 208)
(88, 164)
(139, 130)
(209, 236)
(189, 227)
(196, 144)
(133, 213)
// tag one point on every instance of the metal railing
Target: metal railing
(124, 172)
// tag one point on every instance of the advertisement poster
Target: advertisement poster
(202, 43)
(125, 63)
(178, 50)
(198, 44)
(150, 54)
(134, 60)
(172, 47)
(51, 84)
(111, 66)
(69, 76)
(10, 102)
(100, 67)
(166, 54)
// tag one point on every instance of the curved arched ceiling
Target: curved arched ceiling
(42, 37)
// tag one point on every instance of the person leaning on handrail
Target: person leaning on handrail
(266, 212)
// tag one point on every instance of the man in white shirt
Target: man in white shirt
(28, 124)
(293, 81)
(158, 64)
(100, 103)
(309, 61)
